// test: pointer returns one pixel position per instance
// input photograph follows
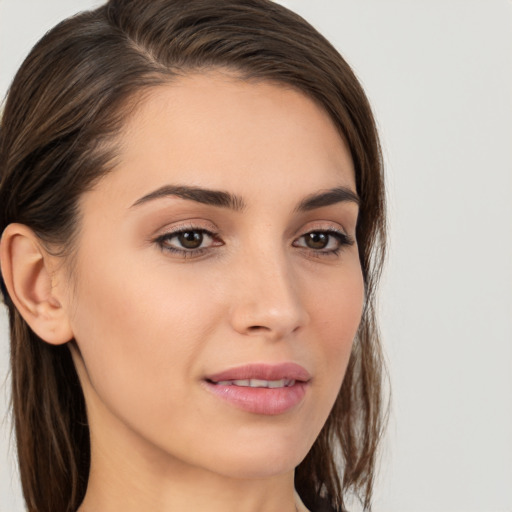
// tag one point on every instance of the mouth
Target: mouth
(261, 388)
(258, 375)
(257, 383)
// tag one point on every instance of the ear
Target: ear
(27, 270)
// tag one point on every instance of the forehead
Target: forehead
(218, 131)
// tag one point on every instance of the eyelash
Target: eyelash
(162, 241)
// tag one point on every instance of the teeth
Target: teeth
(258, 383)
(244, 383)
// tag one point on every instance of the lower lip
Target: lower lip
(269, 401)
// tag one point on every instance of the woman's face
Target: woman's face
(218, 287)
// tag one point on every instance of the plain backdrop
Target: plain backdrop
(439, 75)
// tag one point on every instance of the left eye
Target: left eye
(325, 241)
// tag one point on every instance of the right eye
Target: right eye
(188, 242)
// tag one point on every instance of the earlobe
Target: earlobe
(27, 273)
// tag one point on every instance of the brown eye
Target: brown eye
(190, 239)
(325, 243)
(317, 240)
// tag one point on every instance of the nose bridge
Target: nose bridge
(268, 299)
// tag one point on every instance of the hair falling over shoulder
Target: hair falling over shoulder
(65, 106)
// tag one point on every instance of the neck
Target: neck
(128, 476)
(132, 491)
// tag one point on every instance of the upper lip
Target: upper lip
(291, 371)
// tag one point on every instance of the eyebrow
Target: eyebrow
(327, 198)
(200, 195)
(223, 199)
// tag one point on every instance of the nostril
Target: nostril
(257, 328)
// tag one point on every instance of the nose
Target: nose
(267, 302)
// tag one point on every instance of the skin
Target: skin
(150, 324)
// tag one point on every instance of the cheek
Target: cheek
(106, 329)
(337, 305)
(336, 314)
(137, 331)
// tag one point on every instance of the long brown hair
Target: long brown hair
(65, 106)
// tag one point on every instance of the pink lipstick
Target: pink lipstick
(261, 388)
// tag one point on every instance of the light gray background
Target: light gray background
(439, 74)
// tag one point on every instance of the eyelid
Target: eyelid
(332, 229)
(324, 225)
(189, 224)
(342, 237)
(168, 233)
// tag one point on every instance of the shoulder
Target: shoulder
(316, 504)
(323, 505)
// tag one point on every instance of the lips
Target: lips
(257, 383)
(268, 372)
(261, 388)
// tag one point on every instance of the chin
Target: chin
(246, 468)
(263, 458)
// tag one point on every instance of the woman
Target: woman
(193, 226)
